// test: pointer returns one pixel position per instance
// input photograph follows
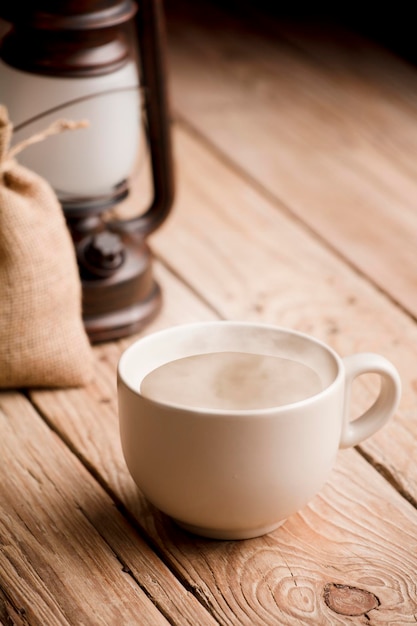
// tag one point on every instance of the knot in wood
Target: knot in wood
(347, 600)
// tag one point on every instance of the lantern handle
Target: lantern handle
(151, 36)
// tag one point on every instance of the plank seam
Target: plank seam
(387, 475)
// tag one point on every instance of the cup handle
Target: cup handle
(385, 405)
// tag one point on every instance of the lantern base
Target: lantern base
(119, 293)
(125, 322)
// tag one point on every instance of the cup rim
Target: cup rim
(268, 411)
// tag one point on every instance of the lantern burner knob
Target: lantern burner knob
(104, 254)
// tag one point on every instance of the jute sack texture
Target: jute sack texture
(42, 338)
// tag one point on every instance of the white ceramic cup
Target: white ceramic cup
(236, 474)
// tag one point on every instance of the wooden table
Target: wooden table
(296, 164)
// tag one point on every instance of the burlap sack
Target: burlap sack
(42, 338)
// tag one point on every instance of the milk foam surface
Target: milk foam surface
(231, 381)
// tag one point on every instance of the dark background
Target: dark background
(391, 24)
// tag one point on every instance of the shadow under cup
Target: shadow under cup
(230, 474)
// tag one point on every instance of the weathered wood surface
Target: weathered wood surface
(325, 123)
(72, 518)
(67, 555)
(246, 264)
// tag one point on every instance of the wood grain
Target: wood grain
(246, 263)
(67, 555)
(326, 124)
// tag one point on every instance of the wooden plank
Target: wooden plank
(228, 242)
(67, 555)
(326, 126)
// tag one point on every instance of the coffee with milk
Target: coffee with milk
(231, 381)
